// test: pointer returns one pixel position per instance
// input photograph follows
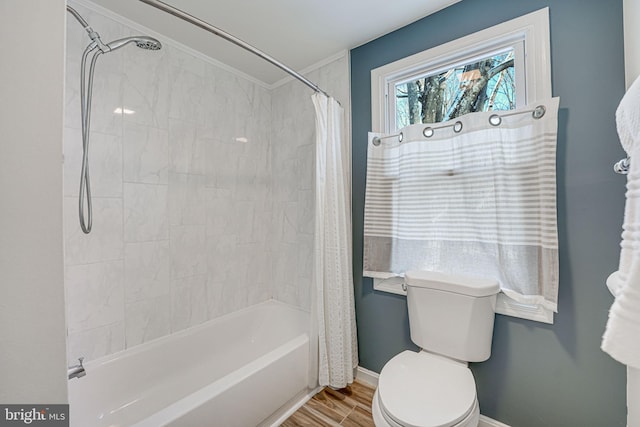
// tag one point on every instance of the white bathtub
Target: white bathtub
(239, 370)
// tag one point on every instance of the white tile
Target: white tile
(219, 212)
(105, 240)
(95, 343)
(305, 157)
(285, 184)
(222, 164)
(235, 296)
(107, 93)
(182, 60)
(188, 251)
(74, 48)
(288, 222)
(146, 154)
(186, 94)
(285, 267)
(306, 212)
(244, 221)
(305, 289)
(304, 265)
(147, 320)
(187, 149)
(72, 151)
(288, 293)
(188, 302)
(147, 87)
(262, 220)
(254, 177)
(147, 270)
(248, 263)
(95, 295)
(258, 292)
(146, 215)
(221, 254)
(187, 199)
(215, 303)
(105, 163)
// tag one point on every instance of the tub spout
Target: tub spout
(76, 371)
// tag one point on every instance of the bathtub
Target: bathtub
(242, 370)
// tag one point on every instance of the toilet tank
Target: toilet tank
(452, 315)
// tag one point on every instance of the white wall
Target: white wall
(32, 320)
(631, 40)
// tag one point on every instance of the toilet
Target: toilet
(451, 319)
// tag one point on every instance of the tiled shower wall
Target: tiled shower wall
(181, 194)
(293, 148)
(202, 198)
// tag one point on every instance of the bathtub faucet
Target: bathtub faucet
(76, 371)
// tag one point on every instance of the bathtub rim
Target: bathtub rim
(172, 412)
(157, 342)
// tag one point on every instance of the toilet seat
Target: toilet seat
(426, 390)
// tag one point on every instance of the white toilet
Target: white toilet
(451, 319)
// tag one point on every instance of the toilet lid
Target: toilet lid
(425, 390)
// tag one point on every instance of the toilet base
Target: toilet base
(380, 420)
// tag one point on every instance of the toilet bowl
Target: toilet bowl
(451, 319)
(425, 390)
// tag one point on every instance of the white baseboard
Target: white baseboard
(369, 377)
(488, 422)
(366, 376)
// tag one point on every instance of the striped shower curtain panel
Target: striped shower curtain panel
(478, 202)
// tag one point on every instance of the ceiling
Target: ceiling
(298, 33)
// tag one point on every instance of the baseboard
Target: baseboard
(369, 377)
(366, 376)
(488, 422)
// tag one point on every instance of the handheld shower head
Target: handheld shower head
(143, 42)
(91, 54)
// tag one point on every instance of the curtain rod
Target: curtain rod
(220, 33)
(494, 120)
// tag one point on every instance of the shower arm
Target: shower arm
(93, 35)
(230, 38)
(80, 19)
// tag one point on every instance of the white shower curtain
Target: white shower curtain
(334, 301)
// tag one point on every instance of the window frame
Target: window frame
(530, 33)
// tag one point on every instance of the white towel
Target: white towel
(621, 337)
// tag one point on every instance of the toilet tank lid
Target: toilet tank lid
(457, 283)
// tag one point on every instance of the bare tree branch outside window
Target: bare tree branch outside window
(488, 84)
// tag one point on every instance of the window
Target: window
(501, 68)
(482, 85)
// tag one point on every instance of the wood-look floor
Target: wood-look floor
(349, 407)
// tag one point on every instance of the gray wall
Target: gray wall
(538, 375)
(32, 317)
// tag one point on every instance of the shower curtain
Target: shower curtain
(333, 278)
